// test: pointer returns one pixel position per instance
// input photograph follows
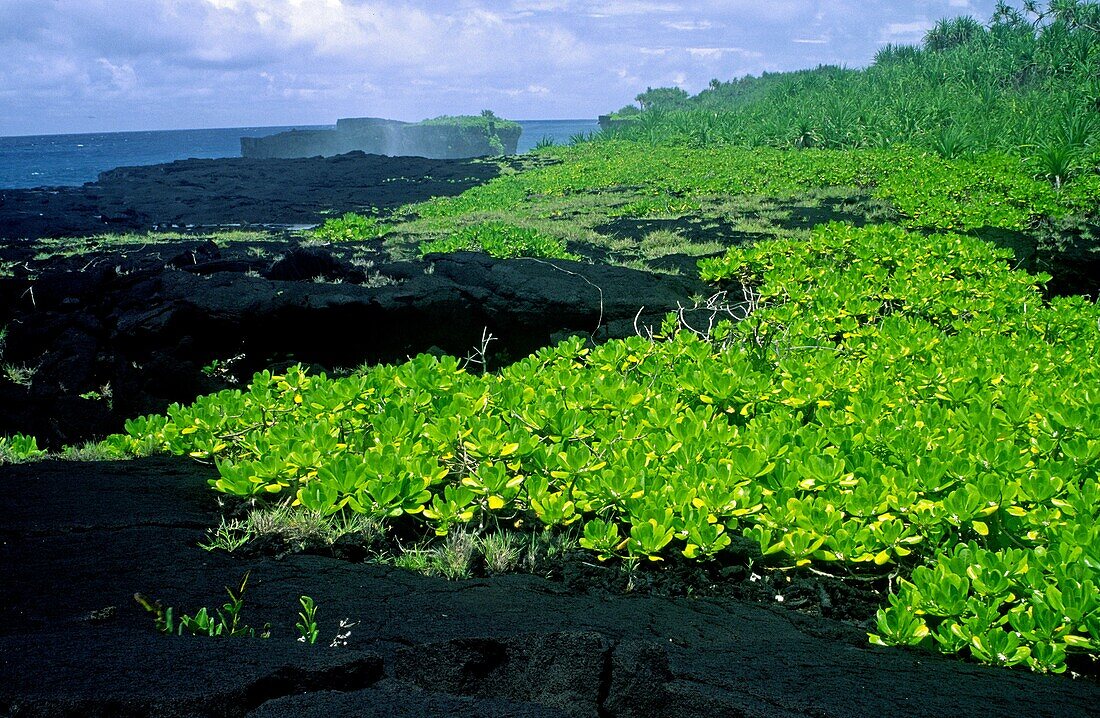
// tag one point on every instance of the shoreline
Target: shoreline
(234, 191)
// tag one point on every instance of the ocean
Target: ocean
(72, 160)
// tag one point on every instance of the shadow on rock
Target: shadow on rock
(108, 344)
(1070, 255)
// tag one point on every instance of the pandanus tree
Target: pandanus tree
(949, 33)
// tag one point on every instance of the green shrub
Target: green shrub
(951, 143)
(485, 121)
(1055, 162)
(500, 240)
(350, 228)
(18, 449)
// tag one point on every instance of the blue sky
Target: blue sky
(113, 65)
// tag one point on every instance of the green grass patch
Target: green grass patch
(928, 192)
(659, 204)
(299, 530)
(49, 248)
(350, 227)
(499, 240)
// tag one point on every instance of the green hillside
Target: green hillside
(1027, 83)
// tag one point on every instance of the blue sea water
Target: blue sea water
(72, 160)
(560, 131)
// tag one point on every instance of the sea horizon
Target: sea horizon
(280, 128)
(75, 158)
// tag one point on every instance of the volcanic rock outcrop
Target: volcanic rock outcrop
(234, 191)
(152, 322)
(437, 140)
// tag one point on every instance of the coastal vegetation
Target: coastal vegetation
(883, 401)
(487, 120)
(1026, 83)
(350, 227)
(487, 124)
(891, 401)
(499, 240)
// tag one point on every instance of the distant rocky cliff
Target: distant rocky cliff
(445, 138)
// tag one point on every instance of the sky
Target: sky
(71, 66)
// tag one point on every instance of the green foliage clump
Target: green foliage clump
(18, 449)
(351, 227)
(223, 622)
(950, 33)
(307, 621)
(662, 98)
(626, 112)
(500, 240)
(486, 124)
(138, 439)
(486, 120)
(893, 401)
(657, 204)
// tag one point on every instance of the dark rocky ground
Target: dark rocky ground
(142, 323)
(78, 540)
(234, 191)
(139, 321)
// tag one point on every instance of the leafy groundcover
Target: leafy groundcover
(891, 403)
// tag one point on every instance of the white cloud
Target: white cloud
(120, 78)
(905, 31)
(717, 53)
(711, 53)
(616, 8)
(689, 25)
(535, 90)
(167, 63)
